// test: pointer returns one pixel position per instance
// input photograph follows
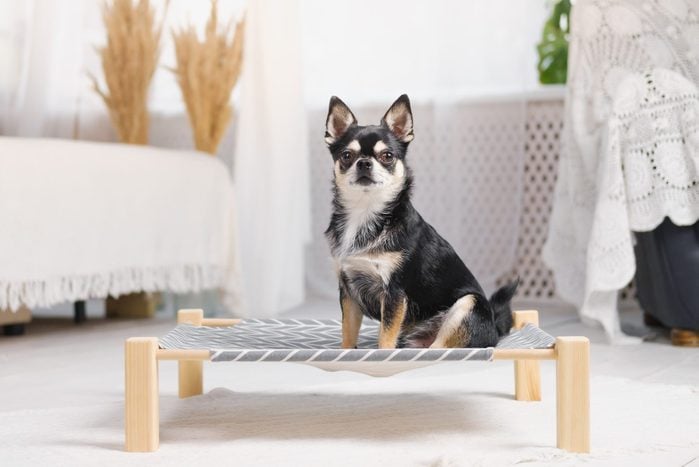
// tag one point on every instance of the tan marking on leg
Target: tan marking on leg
(456, 339)
(450, 334)
(351, 323)
(388, 335)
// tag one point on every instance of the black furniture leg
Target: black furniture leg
(80, 314)
(13, 329)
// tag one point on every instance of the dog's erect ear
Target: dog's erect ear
(340, 119)
(399, 119)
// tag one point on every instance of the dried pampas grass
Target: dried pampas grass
(207, 72)
(129, 60)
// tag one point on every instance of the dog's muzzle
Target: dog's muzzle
(364, 172)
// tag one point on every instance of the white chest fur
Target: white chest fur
(379, 266)
(363, 210)
(362, 204)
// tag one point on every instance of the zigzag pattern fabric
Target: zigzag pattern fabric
(319, 341)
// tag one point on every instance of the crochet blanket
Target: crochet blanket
(630, 145)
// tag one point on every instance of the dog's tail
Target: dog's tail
(500, 303)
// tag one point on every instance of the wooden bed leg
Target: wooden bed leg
(573, 394)
(191, 372)
(141, 390)
(527, 372)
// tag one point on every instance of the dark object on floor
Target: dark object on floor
(80, 316)
(651, 321)
(14, 322)
(667, 278)
(13, 329)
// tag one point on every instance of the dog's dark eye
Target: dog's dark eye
(386, 157)
(346, 156)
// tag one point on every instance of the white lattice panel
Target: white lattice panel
(542, 144)
(468, 181)
(544, 121)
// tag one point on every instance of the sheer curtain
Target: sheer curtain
(44, 47)
(271, 159)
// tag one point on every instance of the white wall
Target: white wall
(370, 51)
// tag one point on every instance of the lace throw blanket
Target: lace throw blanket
(630, 146)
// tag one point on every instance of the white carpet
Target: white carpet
(62, 390)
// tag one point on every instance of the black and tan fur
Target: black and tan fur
(392, 265)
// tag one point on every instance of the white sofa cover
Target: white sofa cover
(85, 220)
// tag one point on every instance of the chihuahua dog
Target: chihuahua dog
(393, 266)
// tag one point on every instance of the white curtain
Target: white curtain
(44, 46)
(271, 160)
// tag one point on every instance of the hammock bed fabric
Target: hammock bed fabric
(317, 342)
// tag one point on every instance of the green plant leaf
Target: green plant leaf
(553, 47)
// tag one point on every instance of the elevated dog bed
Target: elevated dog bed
(317, 343)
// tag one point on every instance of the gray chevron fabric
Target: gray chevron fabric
(318, 342)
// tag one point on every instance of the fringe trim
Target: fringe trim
(46, 293)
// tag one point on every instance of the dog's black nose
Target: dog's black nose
(364, 165)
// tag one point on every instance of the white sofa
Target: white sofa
(87, 220)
